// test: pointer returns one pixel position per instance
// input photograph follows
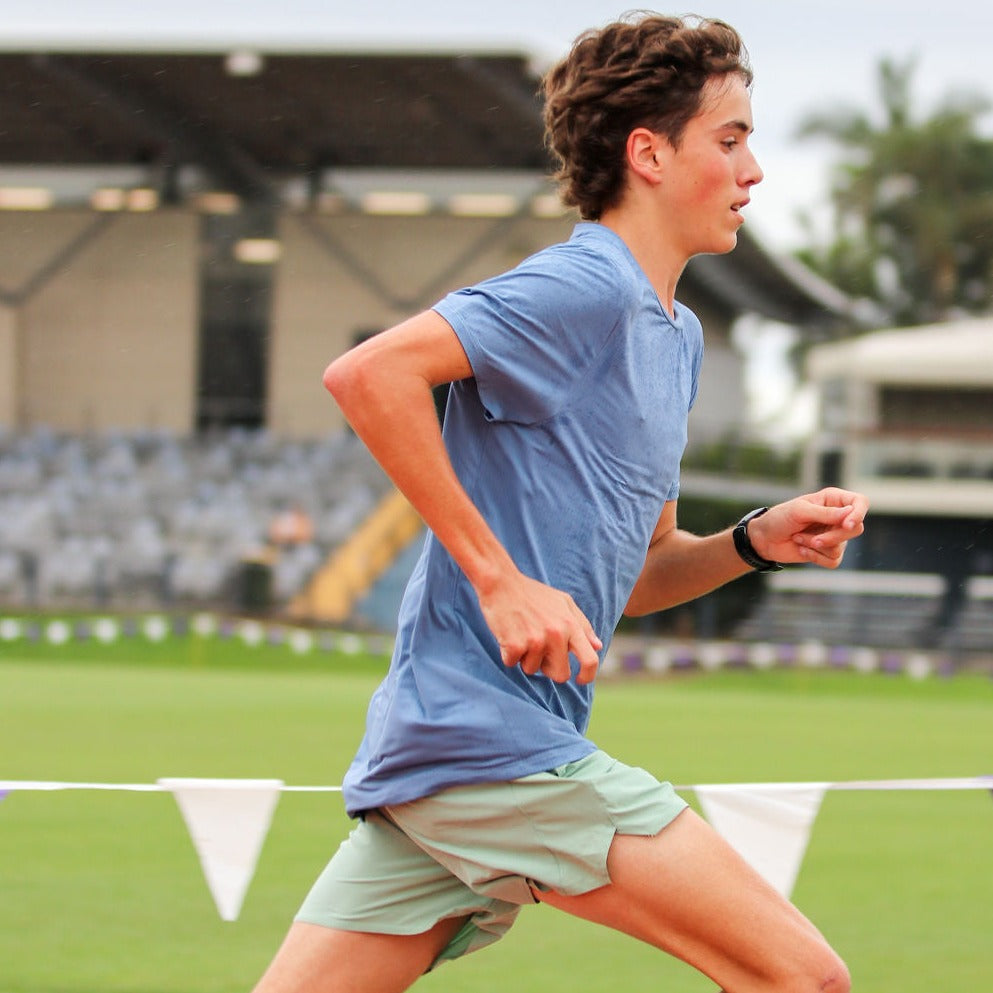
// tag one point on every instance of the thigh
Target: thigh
(316, 959)
(686, 891)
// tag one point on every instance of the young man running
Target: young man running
(551, 503)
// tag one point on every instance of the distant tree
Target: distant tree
(913, 201)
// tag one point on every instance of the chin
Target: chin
(720, 246)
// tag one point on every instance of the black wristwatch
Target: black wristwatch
(743, 544)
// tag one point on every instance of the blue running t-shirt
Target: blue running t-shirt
(567, 438)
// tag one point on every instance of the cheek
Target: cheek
(710, 182)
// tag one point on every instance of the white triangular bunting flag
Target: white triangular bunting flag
(228, 820)
(769, 824)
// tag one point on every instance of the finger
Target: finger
(585, 627)
(817, 513)
(511, 652)
(532, 660)
(856, 505)
(834, 496)
(860, 507)
(586, 649)
(828, 538)
(587, 671)
(825, 558)
(591, 636)
(555, 661)
(557, 667)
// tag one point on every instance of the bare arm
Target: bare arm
(384, 390)
(680, 566)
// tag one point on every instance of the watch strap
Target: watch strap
(743, 544)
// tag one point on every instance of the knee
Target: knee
(840, 981)
(818, 969)
(829, 975)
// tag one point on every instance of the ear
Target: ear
(644, 154)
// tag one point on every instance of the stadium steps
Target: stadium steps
(878, 609)
(378, 609)
(352, 569)
(973, 627)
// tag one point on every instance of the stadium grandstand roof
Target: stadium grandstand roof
(250, 122)
(249, 118)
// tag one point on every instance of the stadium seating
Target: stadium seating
(152, 519)
(973, 627)
(848, 607)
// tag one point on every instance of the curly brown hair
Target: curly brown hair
(644, 70)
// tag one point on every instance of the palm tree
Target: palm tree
(913, 203)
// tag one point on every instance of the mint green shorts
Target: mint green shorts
(476, 851)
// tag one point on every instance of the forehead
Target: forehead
(726, 101)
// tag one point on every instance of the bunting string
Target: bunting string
(144, 787)
(228, 820)
(962, 783)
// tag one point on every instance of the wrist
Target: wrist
(490, 570)
(744, 547)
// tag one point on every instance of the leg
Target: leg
(315, 959)
(379, 916)
(688, 892)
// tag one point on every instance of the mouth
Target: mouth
(736, 209)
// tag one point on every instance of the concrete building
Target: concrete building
(906, 416)
(187, 238)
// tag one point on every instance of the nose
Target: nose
(752, 173)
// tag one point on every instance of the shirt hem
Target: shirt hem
(359, 802)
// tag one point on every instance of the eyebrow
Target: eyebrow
(741, 126)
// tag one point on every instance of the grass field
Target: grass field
(102, 892)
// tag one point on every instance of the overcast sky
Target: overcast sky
(806, 55)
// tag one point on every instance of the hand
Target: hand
(537, 626)
(815, 528)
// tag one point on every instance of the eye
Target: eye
(729, 143)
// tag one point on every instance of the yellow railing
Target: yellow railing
(353, 568)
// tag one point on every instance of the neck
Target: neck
(661, 261)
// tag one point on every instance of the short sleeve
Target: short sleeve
(532, 334)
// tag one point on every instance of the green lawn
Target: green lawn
(101, 892)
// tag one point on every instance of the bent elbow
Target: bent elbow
(359, 387)
(334, 377)
(346, 379)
